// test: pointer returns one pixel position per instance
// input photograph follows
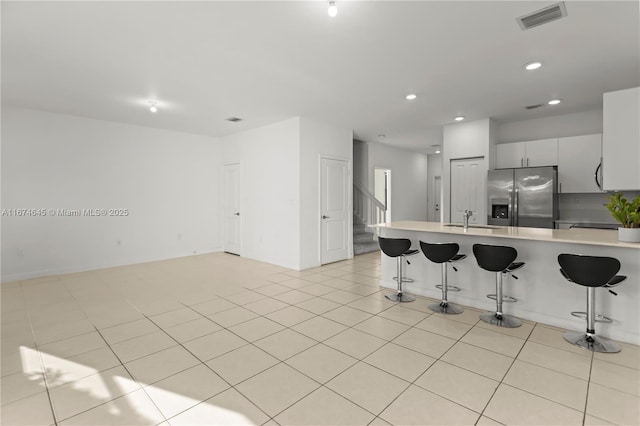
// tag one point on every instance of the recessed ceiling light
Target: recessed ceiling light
(459, 118)
(438, 151)
(153, 106)
(411, 96)
(333, 10)
(382, 136)
(554, 101)
(533, 65)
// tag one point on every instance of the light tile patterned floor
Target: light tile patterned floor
(218, 339)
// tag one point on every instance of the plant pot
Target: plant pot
(629, 235)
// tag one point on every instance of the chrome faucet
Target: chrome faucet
(465, 219)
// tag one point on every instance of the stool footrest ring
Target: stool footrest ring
(449, 287)
(599, 318)
(507, 299)
(404, 279)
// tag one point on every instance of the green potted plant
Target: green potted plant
(628, 214)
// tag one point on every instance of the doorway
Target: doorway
(231, 206)
(334, 210)
(436, 200)
(382, 189)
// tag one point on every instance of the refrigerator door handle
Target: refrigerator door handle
(515, 209)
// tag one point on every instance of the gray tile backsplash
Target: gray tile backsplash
(586, 207)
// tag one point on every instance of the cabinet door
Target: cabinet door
(621, 140)
(578, 159)
(543, 152)
(509, 155)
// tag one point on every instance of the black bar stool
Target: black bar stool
(398, 248)
(443, 253)
(498, 259)
(591, 272)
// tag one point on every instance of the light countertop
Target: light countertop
(599, 237)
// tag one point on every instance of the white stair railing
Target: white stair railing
(366, 206)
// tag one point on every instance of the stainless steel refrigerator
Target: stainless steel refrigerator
(523, 197)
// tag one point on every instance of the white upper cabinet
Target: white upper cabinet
(578, 164)
(538, 153)
(621, 140)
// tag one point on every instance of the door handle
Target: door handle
(596, 175)
(527, 161)
(325, 217)
(236, 214)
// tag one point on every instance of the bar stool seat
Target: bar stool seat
(443, 253)
(399, 248)
(591, 272)
(498, 259)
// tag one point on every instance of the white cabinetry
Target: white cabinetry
(621, 140)
(538, 153)
(578, 162)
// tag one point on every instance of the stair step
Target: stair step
(358, 228)
(363, 248)
(363, 237)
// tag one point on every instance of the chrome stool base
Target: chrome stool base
(500, 320)
(400, 297)
(591, 342)
(446, 308)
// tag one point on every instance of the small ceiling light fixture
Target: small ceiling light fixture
(153, 106)
(333, 10)
(459, 118)
(411, 96)
(554, 101)
(437, 151)
(381, 136)
(533, 65)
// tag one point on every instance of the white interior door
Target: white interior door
(334, 206)
(231, 208)
(468, 189)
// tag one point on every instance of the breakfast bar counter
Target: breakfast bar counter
(543, 294)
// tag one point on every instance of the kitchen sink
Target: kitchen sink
(459, 225)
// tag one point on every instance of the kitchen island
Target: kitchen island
(543, 294)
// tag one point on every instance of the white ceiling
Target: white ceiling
(266, 61)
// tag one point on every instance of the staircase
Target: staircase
(363, 240)
(367, 210)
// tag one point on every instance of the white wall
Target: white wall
(408, 180)
(280, 210)
(466, 140)
(270, 206)
(576, 124)
(319, 139)
(169, 182)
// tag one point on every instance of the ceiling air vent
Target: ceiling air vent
(534, 106)
(542, 16)
(233, 119)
